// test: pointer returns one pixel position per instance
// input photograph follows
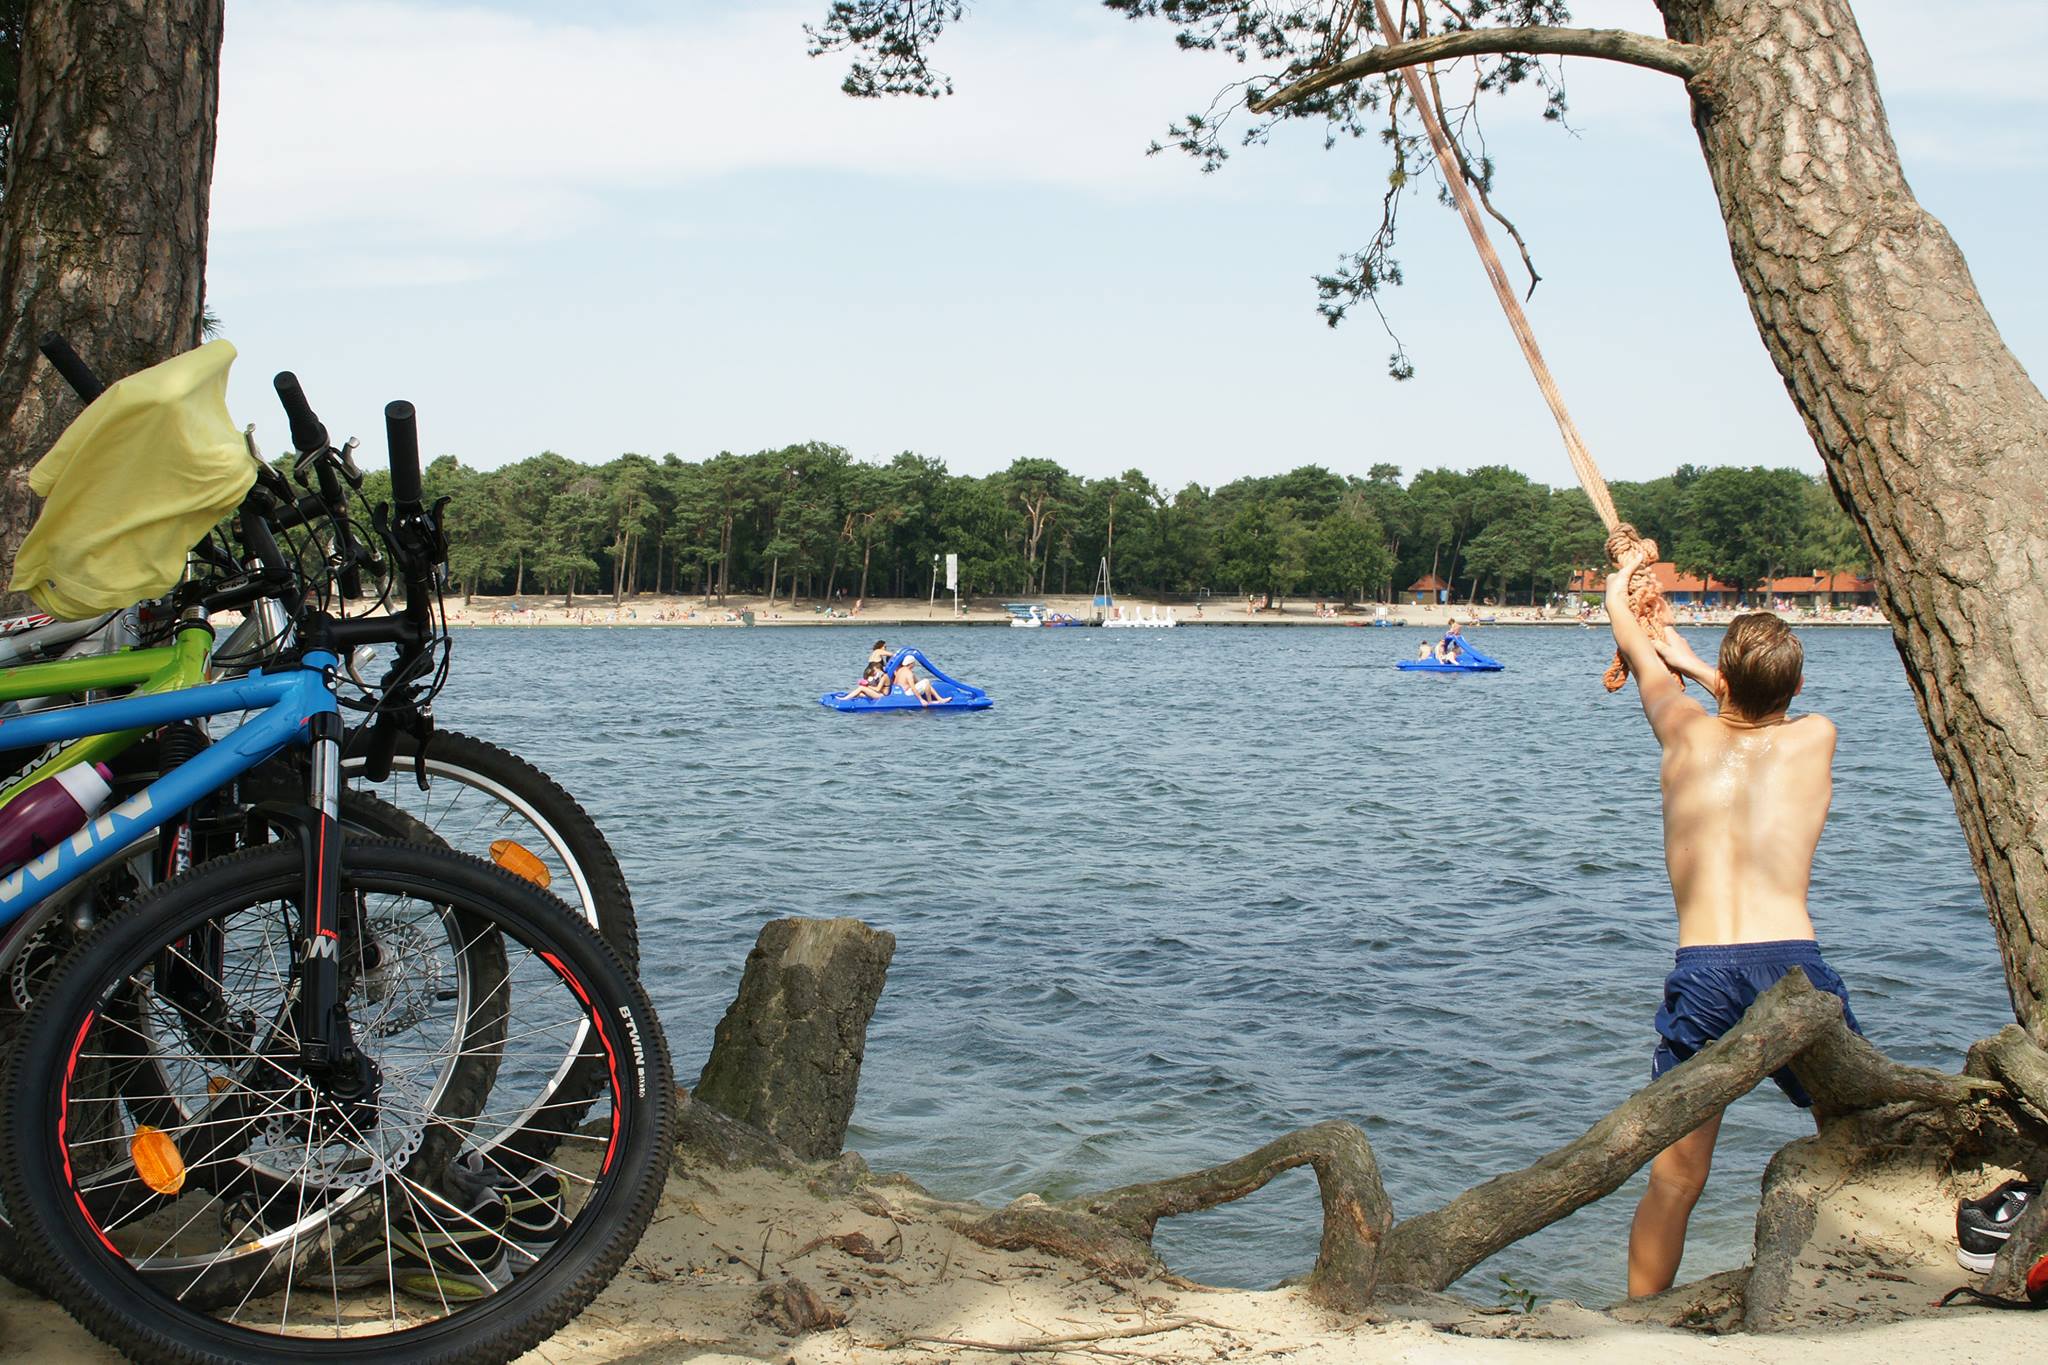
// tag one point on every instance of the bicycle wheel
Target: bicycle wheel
(481, 796)
(25, 967)
(392, 1233)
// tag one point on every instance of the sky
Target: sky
(660, 227)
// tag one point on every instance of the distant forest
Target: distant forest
(811, 522)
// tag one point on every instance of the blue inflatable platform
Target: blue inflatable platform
(1469, 661)
(958, 695)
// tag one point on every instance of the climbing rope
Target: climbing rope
(1645, 601)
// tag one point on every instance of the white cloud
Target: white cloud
(470, 124)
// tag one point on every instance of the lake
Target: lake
(1182, 891)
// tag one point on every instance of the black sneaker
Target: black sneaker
(1983, 1226)
(533, 1205)
(436, 1253)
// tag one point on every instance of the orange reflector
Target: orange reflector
(157, 1160)
(508, 854)
(216, 1086)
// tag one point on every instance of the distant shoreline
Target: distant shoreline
(488, 613)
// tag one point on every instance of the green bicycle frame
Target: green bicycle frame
(164, 668)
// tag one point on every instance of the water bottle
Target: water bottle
(53, 808)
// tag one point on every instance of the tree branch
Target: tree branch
(1611, 44)
(1432, 1250)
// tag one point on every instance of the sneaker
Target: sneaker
(1983, 1226)
(533, 1205)
(434, 1254)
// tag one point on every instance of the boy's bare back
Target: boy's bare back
(1743, 810)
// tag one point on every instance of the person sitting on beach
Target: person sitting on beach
(921, 688)
(1746, 792)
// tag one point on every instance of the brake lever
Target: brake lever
(346, 455)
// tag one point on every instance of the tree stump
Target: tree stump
(786, 1057)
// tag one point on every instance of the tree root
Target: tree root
(2011, 1056)
(1792, 1024)
(1112, 1231)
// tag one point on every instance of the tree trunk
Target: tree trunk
(774, 574)
(519, 575)
(725, 559)
(786, 1057)
(1934, 438)
(109, 166)
(865, 552)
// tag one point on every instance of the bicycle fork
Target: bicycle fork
(327, 1046)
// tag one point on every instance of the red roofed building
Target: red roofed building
(1427, 590)
(1679, 589)
(1806, 592)
(1824, 590)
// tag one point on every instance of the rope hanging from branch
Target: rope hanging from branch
(1645, 602)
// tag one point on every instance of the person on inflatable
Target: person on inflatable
(1425, 651)
(921, 688)
(873, 683)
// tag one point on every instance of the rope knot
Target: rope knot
(1645, 601)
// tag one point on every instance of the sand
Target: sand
(694, 1292)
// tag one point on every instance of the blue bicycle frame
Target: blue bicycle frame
(289, 701)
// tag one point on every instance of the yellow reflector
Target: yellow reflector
(157, 1160)
(508, 854)
(216, 1086)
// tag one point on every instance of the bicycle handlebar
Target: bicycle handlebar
(76, 372)
(309, 434)
(401, 429)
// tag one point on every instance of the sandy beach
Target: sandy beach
(907, 1287)
(649, 610)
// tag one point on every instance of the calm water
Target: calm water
(1182, 891)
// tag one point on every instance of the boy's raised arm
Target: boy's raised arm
(1663, 695)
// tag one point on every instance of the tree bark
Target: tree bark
(103, 229)
(786, 1057)
(1934, 438)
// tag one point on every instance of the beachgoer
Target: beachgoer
(874, 682)
(1746, 792)
(879, 655)
(921, 688)
(1424, 651)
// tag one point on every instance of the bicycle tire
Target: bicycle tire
(581, 856)
(85, 1272)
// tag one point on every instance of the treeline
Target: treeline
(810, 522)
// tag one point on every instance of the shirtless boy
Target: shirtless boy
(1746, 791)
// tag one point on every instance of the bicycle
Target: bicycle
(296, 1156)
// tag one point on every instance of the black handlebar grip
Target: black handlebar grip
(309, 434)
(402, 432)
(76, 372)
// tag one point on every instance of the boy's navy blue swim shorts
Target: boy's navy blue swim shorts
(1710, 986)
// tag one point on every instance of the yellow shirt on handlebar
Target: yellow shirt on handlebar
(145, 471)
